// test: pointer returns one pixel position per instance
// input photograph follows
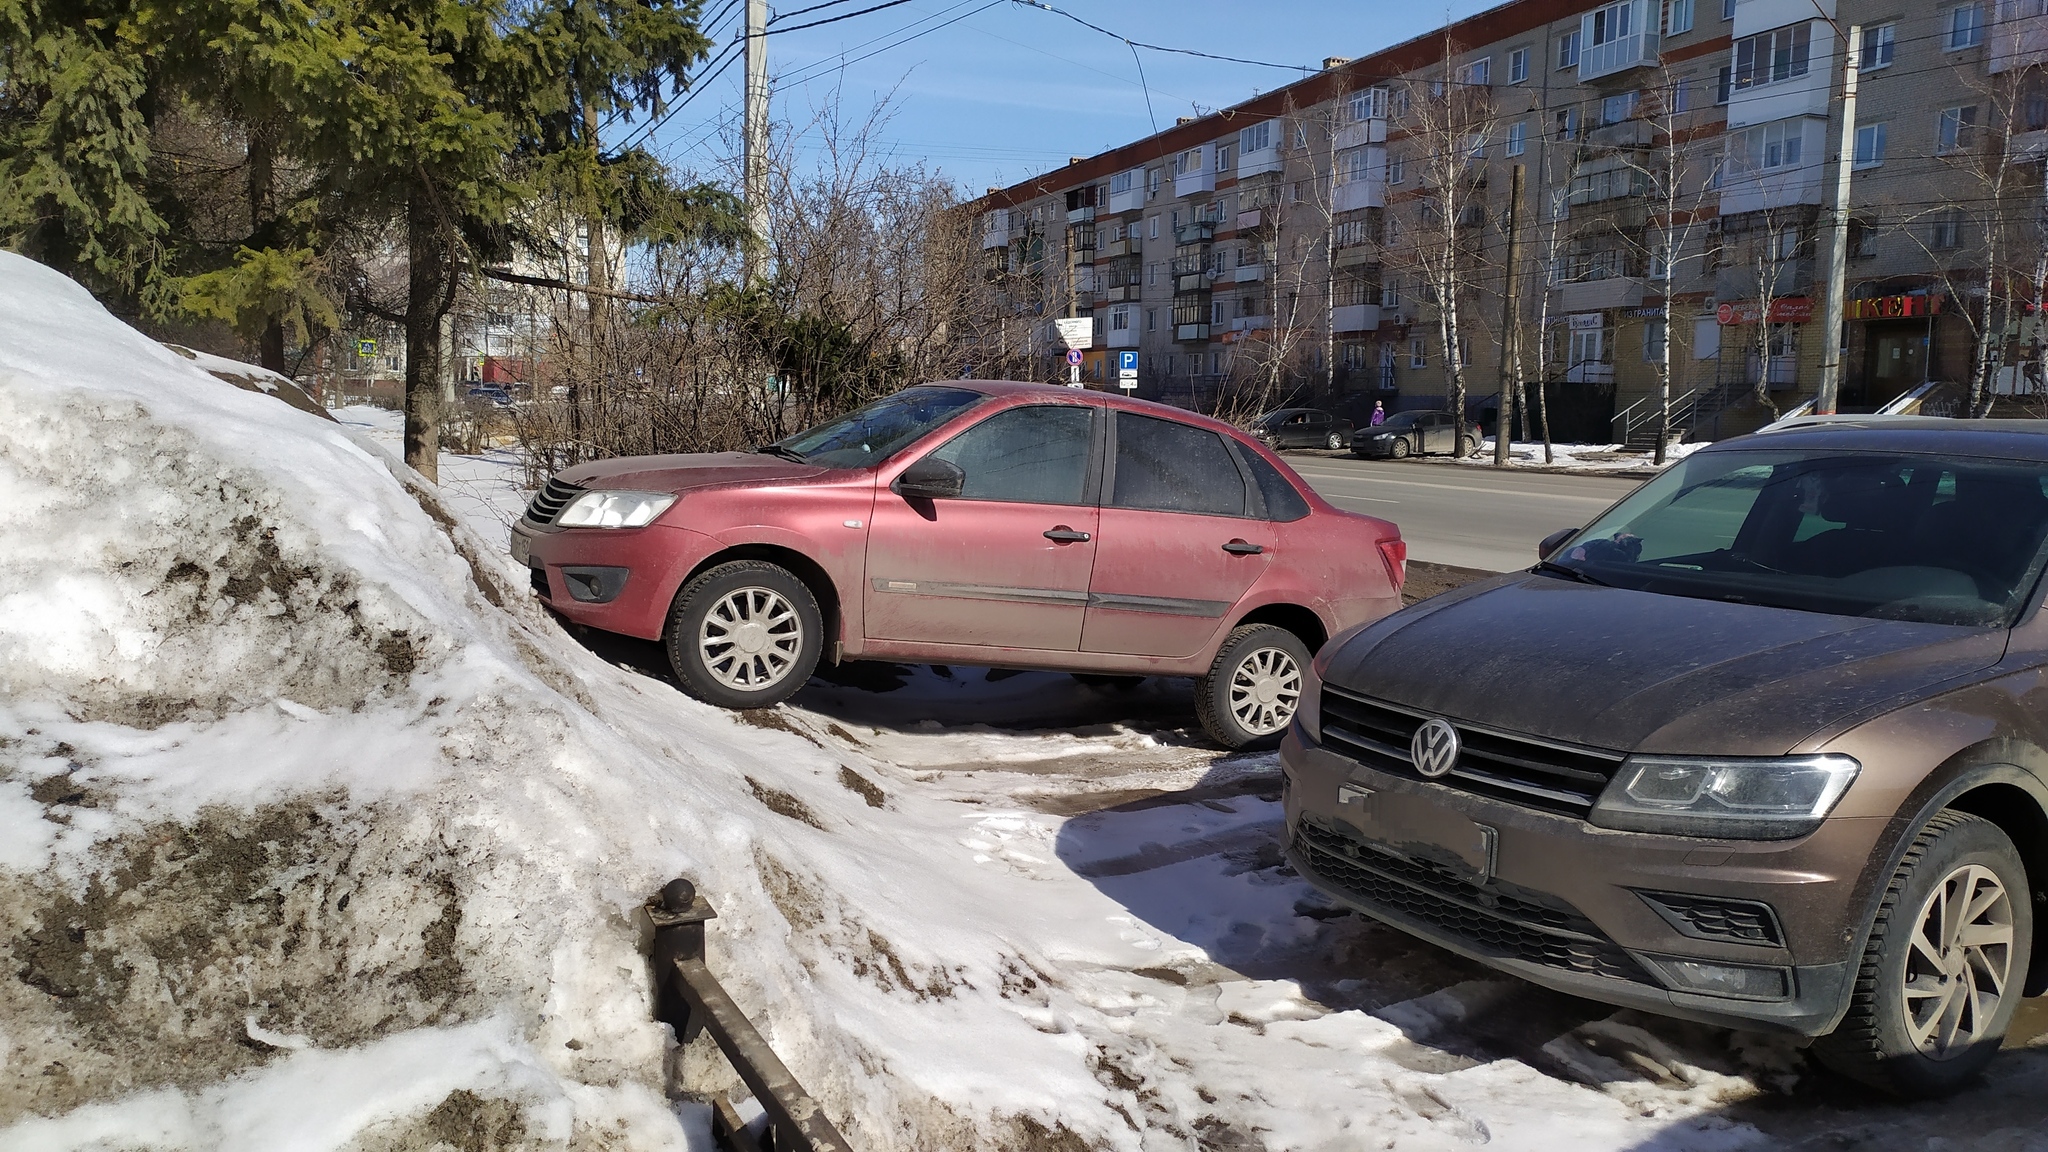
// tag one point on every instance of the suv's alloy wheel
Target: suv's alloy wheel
(744, 635)
(1253, 688)
(1947, 957)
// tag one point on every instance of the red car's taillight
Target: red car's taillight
(1394, 551)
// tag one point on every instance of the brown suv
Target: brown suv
(1764, 746)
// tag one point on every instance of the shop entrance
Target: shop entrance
(1894, 363)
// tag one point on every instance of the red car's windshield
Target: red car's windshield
(874, 432)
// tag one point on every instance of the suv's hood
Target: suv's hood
(1637, 671)
(681, 473)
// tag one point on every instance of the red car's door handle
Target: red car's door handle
(1243, 548)
(1065, 535)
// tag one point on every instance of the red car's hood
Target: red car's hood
(680, 473)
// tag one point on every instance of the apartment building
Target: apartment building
(1675, 171)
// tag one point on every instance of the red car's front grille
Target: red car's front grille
(550, 500)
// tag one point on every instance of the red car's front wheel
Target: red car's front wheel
(744, 635)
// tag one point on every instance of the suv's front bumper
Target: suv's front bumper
(1558, 902)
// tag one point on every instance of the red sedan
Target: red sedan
(979, 523)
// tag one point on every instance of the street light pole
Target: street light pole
(754, 137)
(1838, 233)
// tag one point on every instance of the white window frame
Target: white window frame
(1567, 52)
(1880, 44)
(1418, 352)
(1476, 73)
(1958, 34)
(1870, 141)
(1397, 169)
(1518, 65)
(1256, 138)
(1518, 138)
(1794, 42)
(1677, 17)
(1654, 336)
(1952, 128)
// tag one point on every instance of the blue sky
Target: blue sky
(992, 93)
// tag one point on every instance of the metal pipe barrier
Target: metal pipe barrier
(689, 999)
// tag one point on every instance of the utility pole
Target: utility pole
(1838, 233)
(755, 160)
(1510, 326)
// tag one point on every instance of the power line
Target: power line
(1161, 47)
(837, 19)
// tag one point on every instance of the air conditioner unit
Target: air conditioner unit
(1714, 226)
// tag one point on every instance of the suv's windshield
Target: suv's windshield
(874, 432)
(1898, 537)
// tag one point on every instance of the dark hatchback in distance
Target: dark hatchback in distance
(1765, 746)
(1302, 428)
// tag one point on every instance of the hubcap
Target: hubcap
(750, 639)
(1959, 962)
(1265, 690)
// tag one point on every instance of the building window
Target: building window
(1152, 225)
(1878, 44)
(1727, 84)
(1869, 145)
(1617, 108)
(1151, 319)
(1653, 341)
(1568, 50)
(1477, 74)
(1727, 9)
(1418, 353)
(1223, 157)
(1660, 262)
(1777, 145)
(1151, 190)
(1952, 128)
(1948, 229)
(1397, 169)
(1769, 57)
(1965, 26)
(1613, 23)
(1390, 292)
(1119, 319)
(1518, 138)
(1256, 138)
(1784, 244)
(1678, 17)
(1681, 95)
(1862, 239)
(1568, 124)
(1518, 65)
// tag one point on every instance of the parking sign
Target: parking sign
(1074, 357)
(1127, 361)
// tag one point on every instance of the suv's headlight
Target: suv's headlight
(1766, 798)
(614, 509)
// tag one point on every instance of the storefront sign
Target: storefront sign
(1893, 308)
(1587, 321)
(1784, 310)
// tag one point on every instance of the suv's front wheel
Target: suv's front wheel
(1947, 957)
(744, 635)
(1253, 688)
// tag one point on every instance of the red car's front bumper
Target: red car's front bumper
(614, 579)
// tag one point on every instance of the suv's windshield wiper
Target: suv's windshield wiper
(787, 453)
(1569, 573)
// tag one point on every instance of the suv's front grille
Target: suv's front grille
(1523, 770)
(1494, 919)
(550, 500)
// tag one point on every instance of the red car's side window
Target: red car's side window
(1166, 466)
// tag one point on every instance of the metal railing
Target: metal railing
(690, 999)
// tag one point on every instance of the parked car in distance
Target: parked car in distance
(491, 393)
(1412, 434)
(1765, 746)
(972, 522)
(1302, 428)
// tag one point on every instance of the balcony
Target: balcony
(2027, 147)
(1357, 255)
(1372, 130)
(2015, 41)
(1200, 232)
(1756, 191)
(1355, 318)
(1081, 215)
(1196, 281)
(1251, 323)
(1250, 164)
(1254, 219)
(1186, 333)
(995, 238)
(1370, 192)
(1627, 134)
(1600, 295)
(1122, 337)
(1604, 54)
(1131, 199)
(1250, 273)
(1199, 179)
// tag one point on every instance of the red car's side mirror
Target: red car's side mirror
(930, 479)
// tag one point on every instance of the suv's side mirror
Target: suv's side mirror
(1552, 542)
(930, 478)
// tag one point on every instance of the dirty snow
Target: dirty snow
(316, 832)
(1594, 458)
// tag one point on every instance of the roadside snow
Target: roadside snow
(316, 832)
(1599, 458)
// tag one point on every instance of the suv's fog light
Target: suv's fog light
(1711, 978)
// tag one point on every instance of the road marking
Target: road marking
(1370, 499)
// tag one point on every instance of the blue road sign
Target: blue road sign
(1127, 361)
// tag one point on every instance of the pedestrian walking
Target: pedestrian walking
(1379, 413)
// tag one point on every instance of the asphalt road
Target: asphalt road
(1471, 517)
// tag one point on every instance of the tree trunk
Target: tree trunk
(1980, 367)
(429, 281)
(262, 189)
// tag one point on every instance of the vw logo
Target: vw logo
(1435, 748)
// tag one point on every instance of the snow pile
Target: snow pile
(316, 832)
(1600, 458)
